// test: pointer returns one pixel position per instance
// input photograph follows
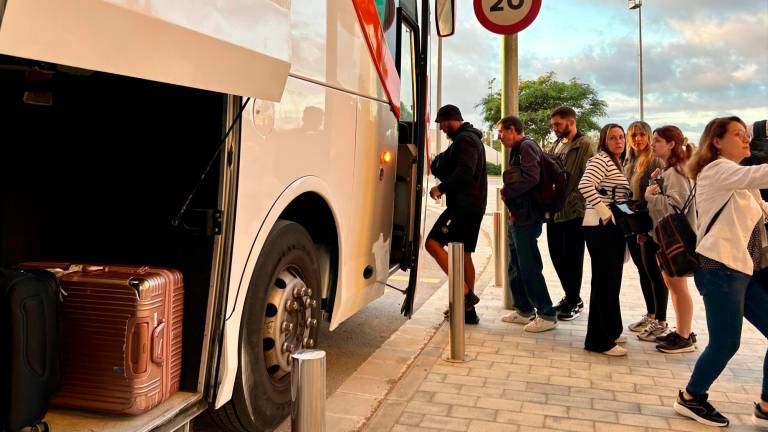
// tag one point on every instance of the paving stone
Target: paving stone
(544, 409)
(472, 413)
(453, 399)
(547, 388)
(444, 423)
(570, 382)
(569, 424)
(390, 412)
(535, 420)
(611, 427)
(484, 426)
(643, 420)
(592, 414)
(638, 398)
(499, 404)
(465, 380)
(569, 401)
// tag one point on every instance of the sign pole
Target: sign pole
(509, 106)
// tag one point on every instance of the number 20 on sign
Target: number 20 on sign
(506, 16)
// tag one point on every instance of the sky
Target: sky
(701, 58)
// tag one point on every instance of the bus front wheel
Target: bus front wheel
(280, 316)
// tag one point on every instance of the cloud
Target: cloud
(701, 58)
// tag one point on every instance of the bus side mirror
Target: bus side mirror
(445, 17)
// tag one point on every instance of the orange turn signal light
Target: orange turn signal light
(386, 157)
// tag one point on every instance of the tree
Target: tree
(539, 97)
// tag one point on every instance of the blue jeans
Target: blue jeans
(729, 296)
(526, 281)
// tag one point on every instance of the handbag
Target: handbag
(764, 250)
(629, 216)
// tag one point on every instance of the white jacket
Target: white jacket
(724, 181)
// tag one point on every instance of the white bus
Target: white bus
(272, 150)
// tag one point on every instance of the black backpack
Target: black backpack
(550, 194)
(677, 241)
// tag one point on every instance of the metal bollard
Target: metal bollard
(498, 258)
(456, 303)
(502, 260)
(308, 391)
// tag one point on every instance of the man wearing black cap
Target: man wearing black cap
(461, 170)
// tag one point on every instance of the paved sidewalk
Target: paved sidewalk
(520, 381)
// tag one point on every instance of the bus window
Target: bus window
(407, 90)
(387, 11)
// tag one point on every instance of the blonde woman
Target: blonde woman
(638, 167)
(672, 188)
(730, 235)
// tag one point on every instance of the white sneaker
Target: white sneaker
(616, 351)
(621, 339)
(639, 326)
(539, 325)
(515, 317)
(652, 331)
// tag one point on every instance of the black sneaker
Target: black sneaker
(471, 299)
(760, 417)
(560, 304)
(568, 314)
(664, 338)
(674, 344)
(667, 337)
(563, 304)
(700, 410)
(470, 317)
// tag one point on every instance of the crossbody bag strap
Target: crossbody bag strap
(717, 215)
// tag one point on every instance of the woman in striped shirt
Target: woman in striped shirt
(604, 181)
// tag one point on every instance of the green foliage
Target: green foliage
(539, 97)
(492, 168)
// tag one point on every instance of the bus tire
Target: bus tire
(278, 318)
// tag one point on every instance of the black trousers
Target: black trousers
(655, 291)
(606, 249)
(566, 249)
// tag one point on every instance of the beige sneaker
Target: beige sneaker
(539, 325)
(616, 351)
(639, 326)
(653, 330)
(515, 317)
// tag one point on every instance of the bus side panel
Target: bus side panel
(368, 237)
(185, 43)
(278, 149)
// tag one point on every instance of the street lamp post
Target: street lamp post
(637, 4)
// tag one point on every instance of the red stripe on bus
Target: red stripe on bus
(382, 57)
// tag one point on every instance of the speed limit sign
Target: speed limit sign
(506, 16)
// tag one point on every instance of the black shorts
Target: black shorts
(457, 226)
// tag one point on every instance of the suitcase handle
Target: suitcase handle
(158, 339)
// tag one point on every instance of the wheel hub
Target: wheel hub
(288, 322)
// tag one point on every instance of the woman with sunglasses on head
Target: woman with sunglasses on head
(731, 241)
(672, 190)
(640, 163)
(605, 241)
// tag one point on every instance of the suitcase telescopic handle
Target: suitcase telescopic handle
(158, 339)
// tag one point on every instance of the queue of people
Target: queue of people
(657, 171)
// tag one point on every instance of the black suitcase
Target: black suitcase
(29, 335)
